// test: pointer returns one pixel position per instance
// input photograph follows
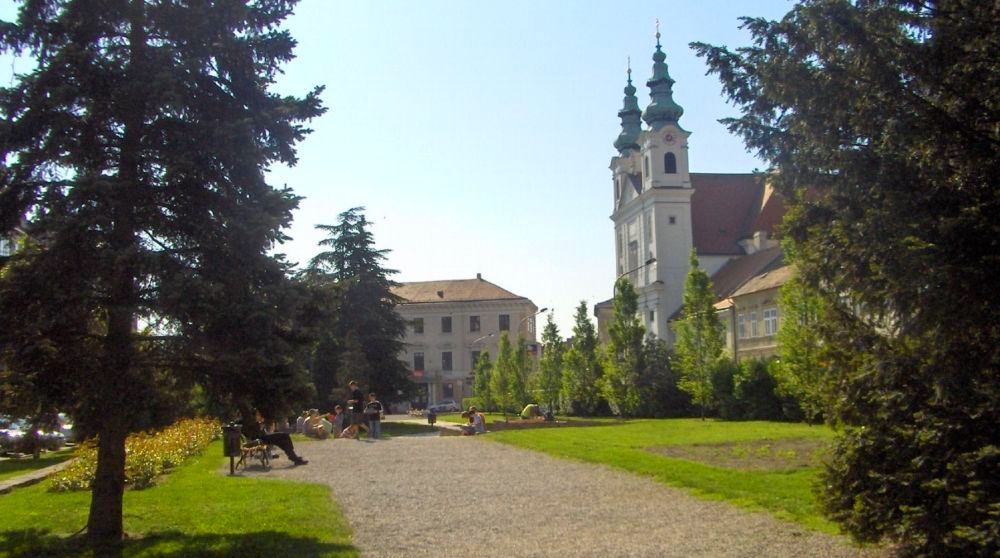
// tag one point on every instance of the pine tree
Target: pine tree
(883, 120)
(361, 314)
(134, 154)
(700, 337)
(624, 356)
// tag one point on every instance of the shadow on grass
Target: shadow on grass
(37, 542)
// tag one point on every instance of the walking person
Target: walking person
(373, 411)
(356, 403)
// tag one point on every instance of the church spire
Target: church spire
(629, 136)
(662, 109)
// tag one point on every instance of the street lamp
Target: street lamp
(526, 318)
(648, 262)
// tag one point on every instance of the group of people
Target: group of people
(361, 414)
(477, 422)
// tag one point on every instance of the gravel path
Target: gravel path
(461, 496)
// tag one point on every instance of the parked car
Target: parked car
(15, 436)
(444, 406)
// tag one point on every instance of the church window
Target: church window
(672, 220)
(645, 165)
(670, 163)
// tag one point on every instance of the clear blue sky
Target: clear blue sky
(478, 135)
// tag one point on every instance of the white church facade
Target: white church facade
(662, 210)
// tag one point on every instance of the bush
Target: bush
(147, 454)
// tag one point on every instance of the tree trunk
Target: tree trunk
(104, 526)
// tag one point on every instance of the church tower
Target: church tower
(652, 199)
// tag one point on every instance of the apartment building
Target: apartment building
(450, 322)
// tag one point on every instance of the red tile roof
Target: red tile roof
(726, 208)
(739, 271)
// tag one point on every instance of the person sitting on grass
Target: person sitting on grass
(339, 419)
(254, 430)
(477, 423)
(317, 426)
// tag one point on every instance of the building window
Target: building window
(652, 316)
(753, 324)
(473, 323)
(741, 326)
(645, 165)
(475, 358)
(770, 321)
(672, 220)
(418, 325)
(418, 361)
(670, 163)
(446, 324)
(449, 391)
(504, 322)
(446, 361)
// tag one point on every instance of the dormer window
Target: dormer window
(670, 163)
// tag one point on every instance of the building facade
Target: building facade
(661, 210)
(450, 323)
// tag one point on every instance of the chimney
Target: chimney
(479, 276)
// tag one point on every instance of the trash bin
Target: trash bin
(431, 417)
(231, 439)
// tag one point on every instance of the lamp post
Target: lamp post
(648, 262)
(526, 318)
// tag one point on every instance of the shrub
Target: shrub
(147, 454)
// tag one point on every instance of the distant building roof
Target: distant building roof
(452, 290)
(770, 279)
(737, 272)
(726, 208)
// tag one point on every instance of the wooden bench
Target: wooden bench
(255, 450)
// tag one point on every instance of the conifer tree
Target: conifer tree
(362, 316)
(882, 119)
(134, 155)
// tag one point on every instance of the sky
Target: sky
(477, 134)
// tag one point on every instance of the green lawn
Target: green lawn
(14, 467)
(195, 511)
(644, 446)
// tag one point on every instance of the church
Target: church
(662, 210)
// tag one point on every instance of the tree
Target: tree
(134, 155)
(700, 337)
(550, 366)
(799, 371)
(659, 395)
(481, 382)
(520, 372)
(363, 334)
(581, 368)
(623, 356)
(883, 120)
(500, 379)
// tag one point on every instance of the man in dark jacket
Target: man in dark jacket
(254, 430)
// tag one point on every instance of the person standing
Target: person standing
(373, 411)
(356, 403)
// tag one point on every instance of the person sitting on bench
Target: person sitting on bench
(254, 430)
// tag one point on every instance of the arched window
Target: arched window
(670, 163)
(645, 165)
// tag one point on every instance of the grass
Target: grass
(194, 511)
(13, 467)
(652, 448)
